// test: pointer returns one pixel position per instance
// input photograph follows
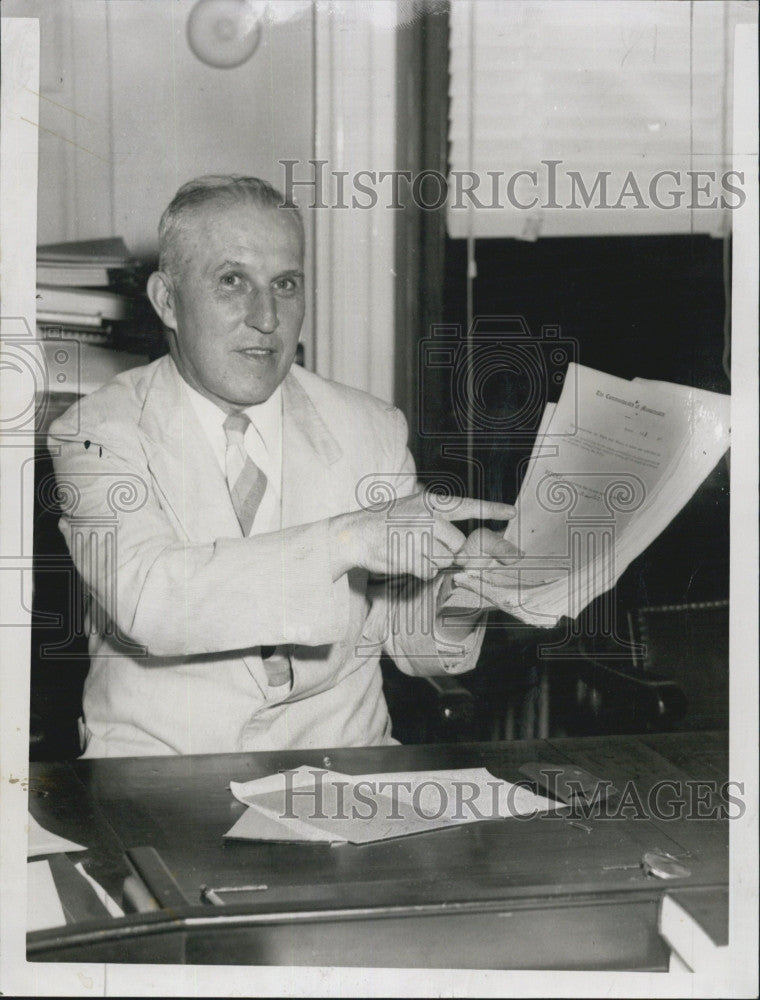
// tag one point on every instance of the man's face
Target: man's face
(238, 304)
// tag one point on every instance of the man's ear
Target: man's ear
(161, 294)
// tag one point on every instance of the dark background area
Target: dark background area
(652, 307)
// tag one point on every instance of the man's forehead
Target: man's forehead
(241, 225)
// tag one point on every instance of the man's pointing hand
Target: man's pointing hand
(412, 535)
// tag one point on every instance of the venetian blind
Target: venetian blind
(607, 108)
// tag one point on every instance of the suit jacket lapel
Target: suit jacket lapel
(311, 490)
(182, 460)
(187, 473)
(191, 481)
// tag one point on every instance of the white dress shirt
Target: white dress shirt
(263, 442)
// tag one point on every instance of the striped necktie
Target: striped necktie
(245, 480)
(247, 485)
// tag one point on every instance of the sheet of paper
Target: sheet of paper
(43, 905)
(316, 804)
(626, 439)
(617, 461)
(718, 403)
(321, 805)
(255, 824)
(41, 841)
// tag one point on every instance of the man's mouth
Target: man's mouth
(257, 352)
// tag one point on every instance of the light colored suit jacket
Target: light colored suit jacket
(180, 601)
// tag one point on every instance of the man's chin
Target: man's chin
(258, 392)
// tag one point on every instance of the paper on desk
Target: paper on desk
(43, 904)
(108, 901)
(42, 841)
(313, 804)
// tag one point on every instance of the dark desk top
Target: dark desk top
(182, 806)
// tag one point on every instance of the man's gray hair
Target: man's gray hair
(223, 189)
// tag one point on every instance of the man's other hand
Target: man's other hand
(413, 535)
(486, 549)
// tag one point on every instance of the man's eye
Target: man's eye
(286, 285)
(230, 280)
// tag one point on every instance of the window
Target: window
(578, 118)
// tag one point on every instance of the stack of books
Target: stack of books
(91, 294)
(92, 291)
(83, 263)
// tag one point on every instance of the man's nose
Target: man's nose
(261, 313)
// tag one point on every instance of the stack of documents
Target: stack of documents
(83, 263)
(93, 292)
(613, 463)
(73, 288)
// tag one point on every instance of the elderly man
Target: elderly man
(220, 514)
